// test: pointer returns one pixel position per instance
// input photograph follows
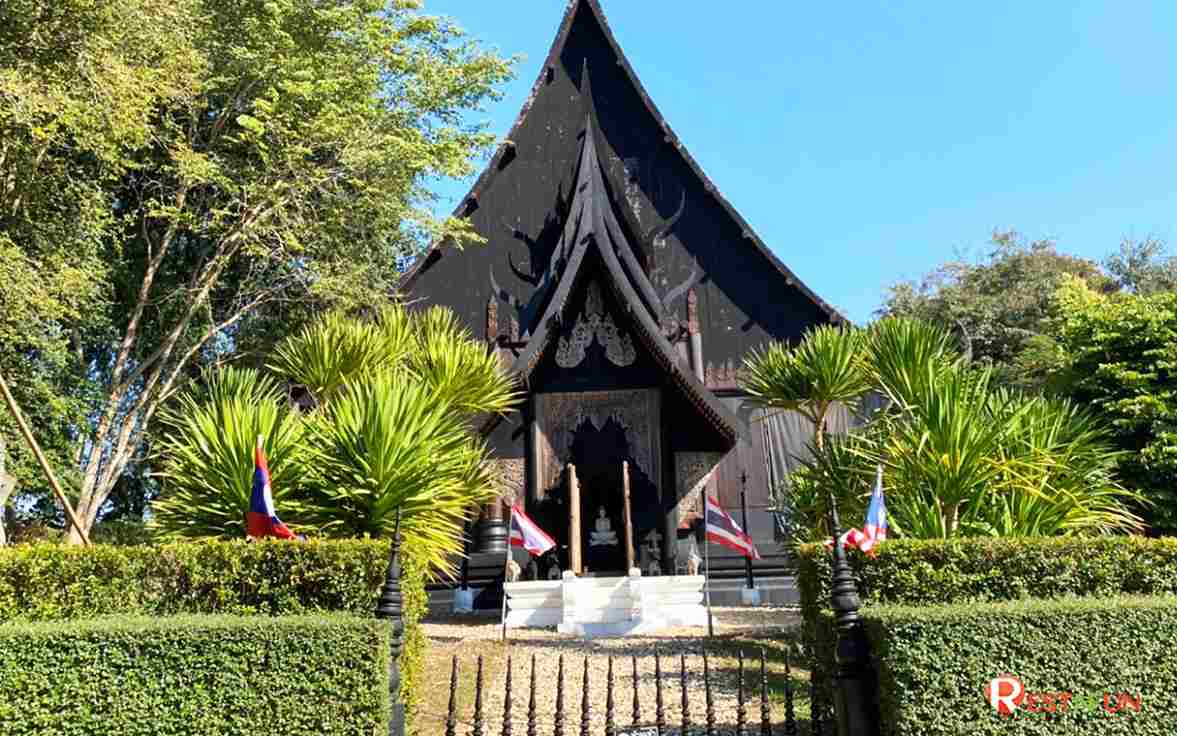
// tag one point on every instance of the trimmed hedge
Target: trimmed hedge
(934, 664)
(50, 582)
(980, 569)
(195, 674)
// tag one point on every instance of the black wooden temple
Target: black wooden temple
(625, 292)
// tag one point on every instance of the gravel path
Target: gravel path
(736, 629)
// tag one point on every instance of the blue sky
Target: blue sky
(867, 142)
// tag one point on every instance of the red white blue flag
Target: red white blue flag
(526, 533)
(874, 529)
(262, 520)
(723, 529)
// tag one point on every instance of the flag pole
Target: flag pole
(707, 566)
(749, 581)
(507, 564)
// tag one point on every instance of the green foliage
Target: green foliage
(944, 447)
(188, 182)
(995, 305)
(934, 663)
(906, 357)
(415, 644)
(925, 572)
(52, 582)
(325, 356)
(195, 674)
(389, 444)
(1143, 267)
(391, 432)
(976, 571)
(207, 450)
(431, 347)
(824, 368)
(961, 457)
(1118, 354)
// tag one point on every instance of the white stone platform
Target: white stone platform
(596, 606)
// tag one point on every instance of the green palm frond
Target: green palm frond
(206, 454)
(458, 368)
(823, 369)
(325, 355)
(904, 355)
(389, 443)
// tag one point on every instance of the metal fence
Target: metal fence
(855, 693)
(754, 709)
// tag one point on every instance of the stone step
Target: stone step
(774, 591)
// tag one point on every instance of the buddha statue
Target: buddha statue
(603, 536)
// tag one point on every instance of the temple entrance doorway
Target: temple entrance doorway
(598, 454)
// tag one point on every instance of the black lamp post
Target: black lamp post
(389, 608)
(854, 679)
(750, 582)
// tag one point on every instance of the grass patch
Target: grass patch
(435, 678)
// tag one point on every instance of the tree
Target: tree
(194, 179)
(206, 454)
(1117, 353)
(392, 429)
(1142, 267)
(7, 486)
(824, 369)
(961, 456)
(996, 306)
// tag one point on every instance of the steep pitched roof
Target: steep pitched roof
(495, 165)
(592, 226)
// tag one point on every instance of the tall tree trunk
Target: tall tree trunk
(7, 486)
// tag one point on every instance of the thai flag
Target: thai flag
(261, 520)
(722, 529)
(526, 533)
(874, 530)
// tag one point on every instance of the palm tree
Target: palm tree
(824, 369)
(397, 399)
(431, 346)
(206, 452)
(390, 443)
(903, 357)
(962, 457)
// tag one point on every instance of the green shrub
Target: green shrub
(50, 582)
(195, 674)
(980, 569)
(45, 582)
(414, 606)
(935, 661)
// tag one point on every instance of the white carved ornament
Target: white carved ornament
(595, 324)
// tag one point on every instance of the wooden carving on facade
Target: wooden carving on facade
(595, 324)
(559, 415)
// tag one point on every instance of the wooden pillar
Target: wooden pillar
(628, 519)
(574, 559)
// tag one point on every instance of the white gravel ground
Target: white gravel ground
(731, 626)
